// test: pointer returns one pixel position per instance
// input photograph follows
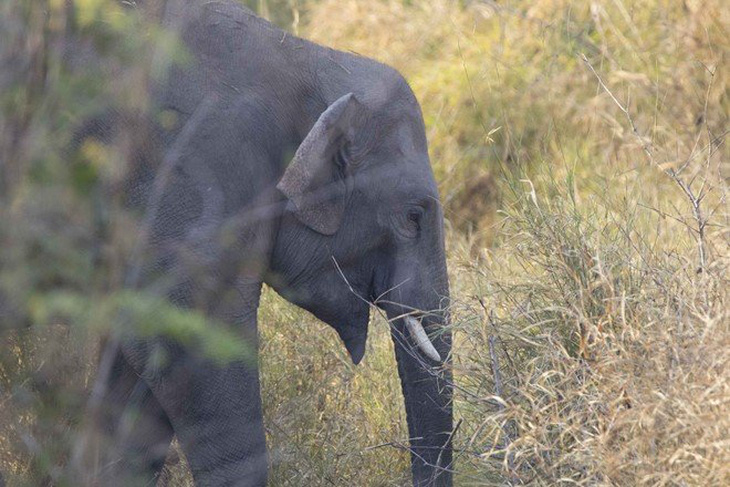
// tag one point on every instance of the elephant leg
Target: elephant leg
(205, 260)
(213, 403)
(134, 425)
(215, 410)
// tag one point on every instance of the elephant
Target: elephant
(288, 164)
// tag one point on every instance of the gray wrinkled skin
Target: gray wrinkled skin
(291, 164)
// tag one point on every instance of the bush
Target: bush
(589, 353)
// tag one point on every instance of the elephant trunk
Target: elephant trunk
(422, 349)
(427, 392)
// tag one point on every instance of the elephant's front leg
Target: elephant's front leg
(212, 401)
(222, 434)
(213, 404)
(134, 429)
(204, 248)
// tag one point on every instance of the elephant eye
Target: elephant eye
(347, 157)
(408, 223)
(414, 219)
(413, 222)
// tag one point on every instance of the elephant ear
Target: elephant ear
(314, 181)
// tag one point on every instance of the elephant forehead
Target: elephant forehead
(403, 183)
(414, 171)
(396, 171)
(403, 130)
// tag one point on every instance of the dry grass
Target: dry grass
(613, 354)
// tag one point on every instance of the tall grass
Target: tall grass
(591, 354)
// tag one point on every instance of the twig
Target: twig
(495, 369)
(646, 147)
(694, 199)
(448, 441)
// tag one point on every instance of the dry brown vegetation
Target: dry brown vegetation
(581, 151)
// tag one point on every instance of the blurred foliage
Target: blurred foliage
(574, 254)
(65, 233)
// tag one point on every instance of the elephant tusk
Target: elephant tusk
(419, 335)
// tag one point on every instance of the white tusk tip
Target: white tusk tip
(419, 336)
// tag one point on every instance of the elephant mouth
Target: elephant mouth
(355, 343)
(412, 320)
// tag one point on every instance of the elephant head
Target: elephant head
(363, 229)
